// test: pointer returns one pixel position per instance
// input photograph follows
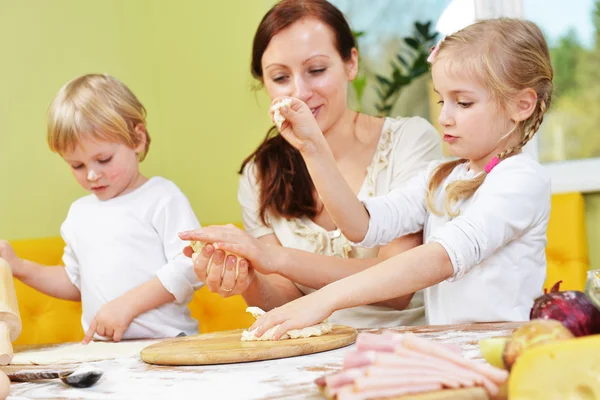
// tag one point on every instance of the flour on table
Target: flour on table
(315, 330)
(76, 353)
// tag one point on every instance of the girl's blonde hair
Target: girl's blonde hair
(97, 105)
(508, 55)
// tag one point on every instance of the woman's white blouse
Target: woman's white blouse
(406, 146)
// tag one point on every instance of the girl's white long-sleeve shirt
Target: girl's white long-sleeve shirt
(496, 244)
(115, 245)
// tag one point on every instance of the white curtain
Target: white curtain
(498, 8)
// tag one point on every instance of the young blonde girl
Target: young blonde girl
(484, 215)
(122, 257)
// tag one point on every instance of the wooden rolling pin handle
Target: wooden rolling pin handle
(6, 349)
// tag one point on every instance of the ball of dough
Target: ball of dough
(197, 246)
(4, 386)
(277, 117)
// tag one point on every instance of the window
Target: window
(383, 25)
(569, 143)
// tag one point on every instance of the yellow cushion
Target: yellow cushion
(49, 320)
(567, 250)
(45, 319)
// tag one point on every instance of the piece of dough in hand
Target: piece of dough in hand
(315, 330)
(197, 246)
(277, 117)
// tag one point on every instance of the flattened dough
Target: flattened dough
(77, 353)
(315, 330)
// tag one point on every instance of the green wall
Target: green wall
(187, 61)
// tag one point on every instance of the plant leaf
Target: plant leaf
(359, 84)
(403, 61)
(382, 80)
(412, 42)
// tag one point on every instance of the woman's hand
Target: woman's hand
(306, 311)
(252, 253)
(219, 271)
(300, 127)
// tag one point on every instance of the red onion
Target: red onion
(572, 308)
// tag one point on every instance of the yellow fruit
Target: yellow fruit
(491, 350)
(531, 334)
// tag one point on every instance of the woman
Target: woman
(305, 49)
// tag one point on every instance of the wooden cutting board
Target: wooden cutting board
(475, 393)
(226, 347)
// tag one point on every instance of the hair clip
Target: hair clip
(435, 50)
(490, 166)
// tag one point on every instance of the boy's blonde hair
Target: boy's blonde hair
(507, 55)
(97, 105)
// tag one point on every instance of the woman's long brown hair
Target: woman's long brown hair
(286, 188)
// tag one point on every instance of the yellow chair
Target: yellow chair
(49, 320)
(567, 250)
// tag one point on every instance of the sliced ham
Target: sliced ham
(446, 379)
(424, 346)
(371, 341)
(394, 364)
(344, 377)
(354, 359)
(364, 383)
(397, 338)
(446, 366)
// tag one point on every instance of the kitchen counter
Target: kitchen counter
(289, 378)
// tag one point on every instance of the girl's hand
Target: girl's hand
(300, 127)
(7, 252)
(263, 257)
(111, 321)
(209, 265)
(306, 311)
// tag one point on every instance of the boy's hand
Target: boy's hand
(111, 321)
(7, 252)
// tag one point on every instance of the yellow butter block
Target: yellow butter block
(561, 370)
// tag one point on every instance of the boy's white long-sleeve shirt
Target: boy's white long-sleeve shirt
(115, 245)
(496, 244)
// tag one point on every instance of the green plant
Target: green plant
(360, 81)
(410, 63)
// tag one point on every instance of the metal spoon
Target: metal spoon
(82, 377)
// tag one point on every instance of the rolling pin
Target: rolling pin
(10, 320)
